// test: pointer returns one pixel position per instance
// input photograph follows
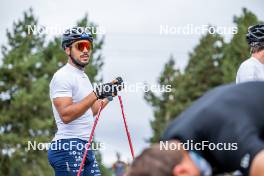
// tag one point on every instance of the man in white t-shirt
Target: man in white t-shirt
(74, 104)
(253, 68)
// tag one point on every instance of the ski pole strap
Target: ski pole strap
(126, 127)
(90, 139)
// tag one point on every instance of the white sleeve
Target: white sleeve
(246, 73)
(61, 86)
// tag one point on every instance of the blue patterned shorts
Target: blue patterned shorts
(65, 156)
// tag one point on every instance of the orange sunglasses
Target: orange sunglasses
(81, 45)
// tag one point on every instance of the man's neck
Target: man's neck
(259, 56)
(71, 63)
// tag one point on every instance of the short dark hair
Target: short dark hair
(155, 162)
(257, 48)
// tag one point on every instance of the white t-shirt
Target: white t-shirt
(69, 81)
(250, 70)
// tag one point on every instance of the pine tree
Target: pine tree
(213, 62)
(25, 112)
(203, 70)
(201, 74)
(161, 103)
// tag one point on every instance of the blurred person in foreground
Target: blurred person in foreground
(222, 132)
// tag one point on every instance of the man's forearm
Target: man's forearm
(76, 110)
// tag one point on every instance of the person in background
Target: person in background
(252, 69)
(119, 167)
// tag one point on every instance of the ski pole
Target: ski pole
(126, 127)
(90, 139)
